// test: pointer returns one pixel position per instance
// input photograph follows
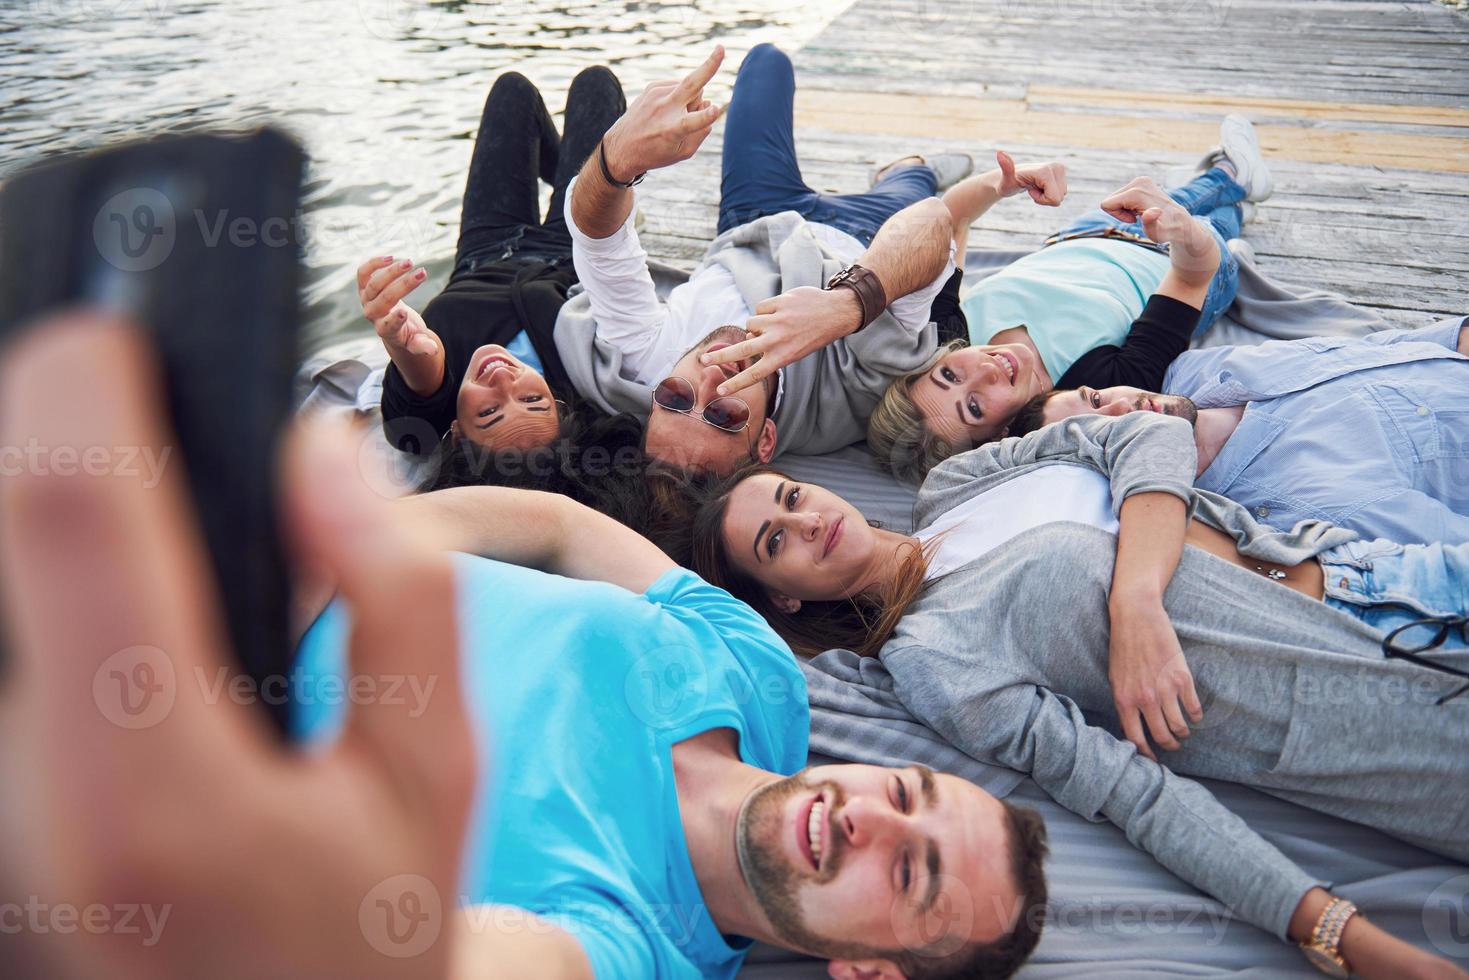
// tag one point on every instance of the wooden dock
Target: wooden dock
(1362, 108)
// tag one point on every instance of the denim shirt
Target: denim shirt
(1370, 434)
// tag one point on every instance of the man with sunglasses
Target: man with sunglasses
(822, 325)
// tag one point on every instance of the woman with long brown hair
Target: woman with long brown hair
(1065, 589)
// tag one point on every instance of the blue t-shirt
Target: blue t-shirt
(578, 691)
(1072, 297)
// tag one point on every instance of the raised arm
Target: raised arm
(664, 125)
(969, 199)
(539, 530)
(416, 351)
(910, 251)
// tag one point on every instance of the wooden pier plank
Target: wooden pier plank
(1362, 107)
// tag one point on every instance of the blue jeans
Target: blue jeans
(760, 175)
(1387, 585)
(1214, 196)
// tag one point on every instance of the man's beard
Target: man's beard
(772, 880)
(1179, 406)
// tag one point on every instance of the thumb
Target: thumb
(1152, 219)
(420, 343)
(1007, 166)
(407, 717)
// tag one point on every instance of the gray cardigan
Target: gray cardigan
(1007, 658)
(826, 397)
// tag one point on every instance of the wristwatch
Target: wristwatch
(1324, 948)
(864, 282)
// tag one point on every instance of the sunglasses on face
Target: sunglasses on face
(727, 413)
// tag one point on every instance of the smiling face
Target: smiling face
(1119, 400)
(504, 404)
(801, 542)
(688, 441)
(852, 861)
(969, 396)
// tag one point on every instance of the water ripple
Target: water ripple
(385, 94)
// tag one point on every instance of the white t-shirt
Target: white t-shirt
(984, 522)
(652, 335)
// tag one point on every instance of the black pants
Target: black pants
(517, 147)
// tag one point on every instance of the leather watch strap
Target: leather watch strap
(607, 173)
(864, 282)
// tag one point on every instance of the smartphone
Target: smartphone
(195, 237)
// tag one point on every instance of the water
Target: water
(385, 94)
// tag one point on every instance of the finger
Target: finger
(109, 598)
(693, 84)
(1191, 704)
(380, 279)
(753, 347)
(1158, 727)
(1173, 715)
(1152, 223)
(695, 122)
(1058, 187)
(752, 375)
(404, 648)
(366, 269)
(394, 292)
(1132, 728)
(388, 327)
(1007, 166)
(422, 344)
(1120, 211)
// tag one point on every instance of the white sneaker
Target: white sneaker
(1241, 147)
(1238, 145)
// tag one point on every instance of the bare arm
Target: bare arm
(1151, 680)
(973, 196)
(539, 530)
(416, 351)
(1369, 951)
(1193, 254)
(664, 125)
(909, 250)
